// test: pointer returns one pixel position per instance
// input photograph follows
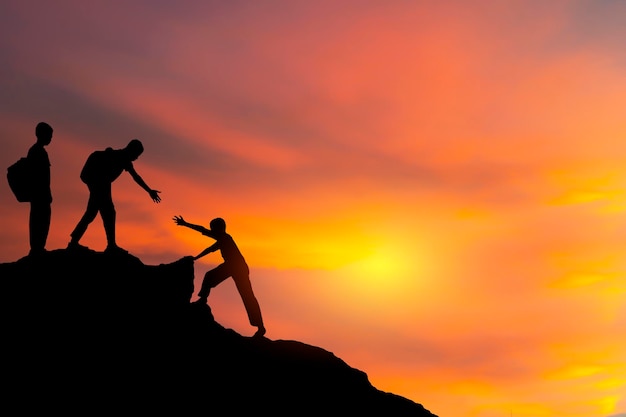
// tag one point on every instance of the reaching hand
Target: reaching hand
(154, 194)
(179, 220)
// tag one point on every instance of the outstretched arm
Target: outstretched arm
(154, 194)
(182, 222)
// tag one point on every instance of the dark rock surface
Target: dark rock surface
(86, 332)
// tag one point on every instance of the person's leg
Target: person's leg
(244, 286)
(39, 225)
(108, 214)
(93, 206)
(211, 279)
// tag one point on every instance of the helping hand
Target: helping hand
(154, 194)
(179, 220)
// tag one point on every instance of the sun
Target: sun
(390, 271)
(384, 262)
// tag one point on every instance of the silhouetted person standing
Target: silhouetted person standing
(234, 266)
(99, 172)
(41, 200)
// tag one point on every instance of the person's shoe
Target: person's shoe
(37, 252)
(260, 333)
(76, 246)
(115, 249)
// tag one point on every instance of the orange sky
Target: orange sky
(433, 191)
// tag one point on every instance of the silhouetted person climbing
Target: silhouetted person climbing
(234, 266)
(41, 201)
(99, 172)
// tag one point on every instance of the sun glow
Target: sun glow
(390, 272)
(384, 262)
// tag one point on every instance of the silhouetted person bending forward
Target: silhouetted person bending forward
(234, 265)
(99, 172)
(41, 200)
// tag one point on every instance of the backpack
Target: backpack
(95, 167)
(20, 179)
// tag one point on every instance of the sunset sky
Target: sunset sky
(434, 191)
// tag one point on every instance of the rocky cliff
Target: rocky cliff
(91, 333)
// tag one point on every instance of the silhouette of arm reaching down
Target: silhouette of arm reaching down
(154, 194)
(182, 222)
(208, 250)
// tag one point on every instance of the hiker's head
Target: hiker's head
(43, 131)
(218, 225)
(134, 149)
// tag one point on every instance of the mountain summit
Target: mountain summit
(91, 333)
